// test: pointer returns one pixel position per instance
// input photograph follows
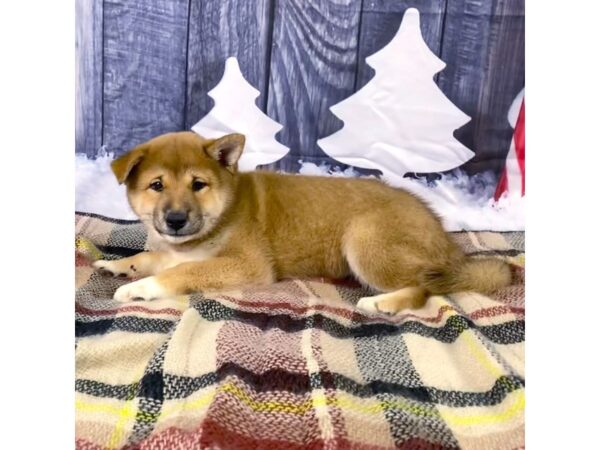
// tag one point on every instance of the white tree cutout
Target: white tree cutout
(235, 111)
(400, 121)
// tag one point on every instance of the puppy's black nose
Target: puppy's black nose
(176, 219)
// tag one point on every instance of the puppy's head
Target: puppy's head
(179, 184)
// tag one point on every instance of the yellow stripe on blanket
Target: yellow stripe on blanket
(126, 410)
(512, 406)
(87, 248)
(124, 413)
(268, 406)
(347, 401)
(342, 400)
(183, 405)
(118, 417)
(484, 415)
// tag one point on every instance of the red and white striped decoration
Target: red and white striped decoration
(512, 180)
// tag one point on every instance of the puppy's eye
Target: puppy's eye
(156, 186)
(198, 185)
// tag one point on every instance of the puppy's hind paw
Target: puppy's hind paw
(413, 297)
(368, 304)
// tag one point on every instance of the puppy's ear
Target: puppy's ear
(227, 150)
(123, 165)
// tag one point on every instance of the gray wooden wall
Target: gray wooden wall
(144, 66)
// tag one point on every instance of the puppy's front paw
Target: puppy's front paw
(144, 289)
(115, 268)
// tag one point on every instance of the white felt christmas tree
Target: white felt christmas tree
(235, 111)
(400, 121)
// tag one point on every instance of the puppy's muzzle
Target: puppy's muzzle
(176, 220)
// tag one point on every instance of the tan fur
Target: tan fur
(259, 227)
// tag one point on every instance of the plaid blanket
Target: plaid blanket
(294, 365)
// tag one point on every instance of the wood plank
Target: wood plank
(218, 30)
(484, 48)
(381, 20)
(313, 66)
(88, 76)
(145, 45)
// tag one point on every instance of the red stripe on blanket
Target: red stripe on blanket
(346, 314)
(241, 343)
(341, 312)
(81, 261)
(496, 311)
(358, 317)
(213, 435)
(132, 308)
(82, 444)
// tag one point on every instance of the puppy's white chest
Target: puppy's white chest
(200, 253)
(206, 250)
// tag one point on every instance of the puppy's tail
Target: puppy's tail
(484, 275)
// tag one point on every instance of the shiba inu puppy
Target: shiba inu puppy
(220, 229)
